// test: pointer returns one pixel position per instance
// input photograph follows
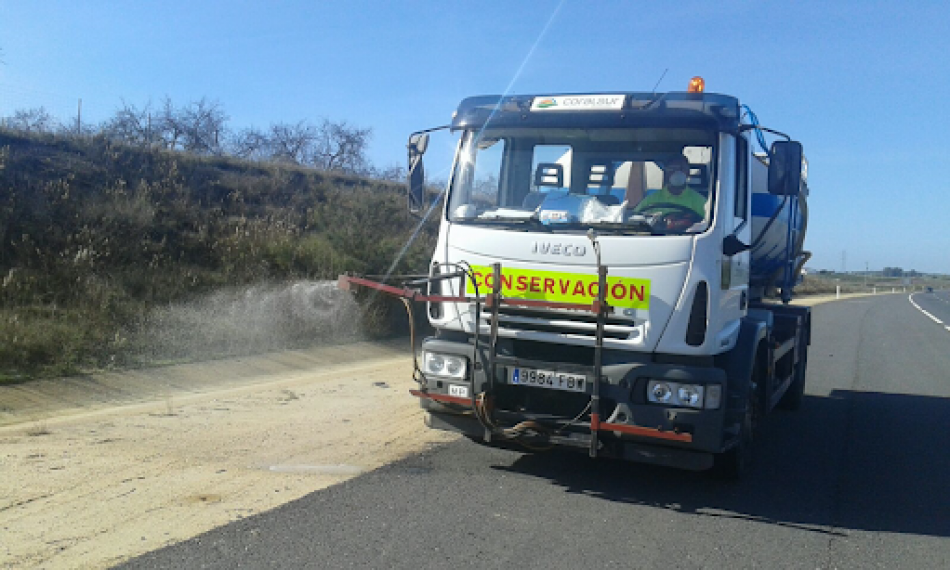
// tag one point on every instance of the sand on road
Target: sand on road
(96, 470)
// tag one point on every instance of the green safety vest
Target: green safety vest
(689, 198)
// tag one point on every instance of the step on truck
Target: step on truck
(612, 274)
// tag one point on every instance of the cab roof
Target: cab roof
(582, 110)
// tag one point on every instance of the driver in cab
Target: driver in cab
(675, 200)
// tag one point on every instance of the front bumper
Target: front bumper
(628, 427)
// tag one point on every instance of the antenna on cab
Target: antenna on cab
(660, 80)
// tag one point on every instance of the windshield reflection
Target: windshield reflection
(655, 181)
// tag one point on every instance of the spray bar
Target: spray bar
(347, 282)
(638, 431)
(645, 432)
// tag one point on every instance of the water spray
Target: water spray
(250, 320)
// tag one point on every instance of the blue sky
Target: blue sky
(862, 84)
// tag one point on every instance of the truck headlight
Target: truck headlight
(660, 392)
(691, 396)
(684, 395)
(447, 365)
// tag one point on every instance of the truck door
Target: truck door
(736, 217)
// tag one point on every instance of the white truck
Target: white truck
(585, 295)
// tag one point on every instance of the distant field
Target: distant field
(821, 284)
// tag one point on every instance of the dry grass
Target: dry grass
(96, 235)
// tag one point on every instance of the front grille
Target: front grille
(566, 321)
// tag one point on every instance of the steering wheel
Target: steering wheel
(679, 219)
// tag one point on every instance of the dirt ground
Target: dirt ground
(97, 470)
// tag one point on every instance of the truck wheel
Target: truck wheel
(792, 400)
(732, 465)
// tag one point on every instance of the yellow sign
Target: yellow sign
(556, 287)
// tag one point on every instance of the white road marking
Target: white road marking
(933, 318)
(918, 307)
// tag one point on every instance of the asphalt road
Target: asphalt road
(858, 478)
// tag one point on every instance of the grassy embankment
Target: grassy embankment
(96, 235)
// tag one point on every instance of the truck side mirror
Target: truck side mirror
(785, 168)
(418, 143)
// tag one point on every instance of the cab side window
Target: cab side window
(742, 178)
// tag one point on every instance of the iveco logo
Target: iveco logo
(564, 249)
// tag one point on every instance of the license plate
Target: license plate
(458, 391)
(547, 379)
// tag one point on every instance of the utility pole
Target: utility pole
(79, 119)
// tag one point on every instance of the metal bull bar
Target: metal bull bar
(411, 292)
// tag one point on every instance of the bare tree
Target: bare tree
(327, 146)
(292, 143)
(35, 120)
(250, 144)
(199, 127)
(341, 147)
(170, 130)
(202, 126)
(131, 125)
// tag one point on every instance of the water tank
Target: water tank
(778, 234)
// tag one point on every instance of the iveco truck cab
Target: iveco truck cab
(603, 275)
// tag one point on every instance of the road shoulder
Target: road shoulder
(117, 465)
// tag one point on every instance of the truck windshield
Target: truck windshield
(649, 180)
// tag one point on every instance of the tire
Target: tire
(792, 400)
(734, 464)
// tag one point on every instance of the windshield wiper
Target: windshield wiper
(630, 227)
(634, 226)
(524, 222)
